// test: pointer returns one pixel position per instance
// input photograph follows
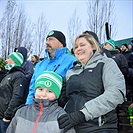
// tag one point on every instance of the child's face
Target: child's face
(44, 93)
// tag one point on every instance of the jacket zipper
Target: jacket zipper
(38, 118)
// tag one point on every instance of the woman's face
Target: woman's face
(83, 50)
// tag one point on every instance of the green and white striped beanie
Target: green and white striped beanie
(17, 58)
(50, 80)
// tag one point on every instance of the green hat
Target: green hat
(111, 42)
(17, 58)
(2, 63)
(50, 80)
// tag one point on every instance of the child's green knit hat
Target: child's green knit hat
(50, 80)
(17, 58)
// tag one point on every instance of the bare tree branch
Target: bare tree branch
(16, 31)
(74, 28)
(99, 12)
(40, 34)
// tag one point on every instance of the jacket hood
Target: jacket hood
(46, 103)
(23, 51)
(58, 52)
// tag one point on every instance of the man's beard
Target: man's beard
(51, 53)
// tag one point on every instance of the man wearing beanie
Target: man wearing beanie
(110, 45)
(13, 91)
(57, 59)
(120, 60)
(42, 115)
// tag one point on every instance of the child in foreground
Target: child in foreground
(42, 115)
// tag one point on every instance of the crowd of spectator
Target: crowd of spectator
(79, 90)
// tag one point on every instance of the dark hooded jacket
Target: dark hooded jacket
(27, 66)
(129, 57)
(120, 60)
(13, 92)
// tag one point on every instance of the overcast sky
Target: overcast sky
(58, 12)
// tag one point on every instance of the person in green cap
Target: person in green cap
(41, 116)
(12, 89)
(110, 45)
(122, 63)
(119, 58)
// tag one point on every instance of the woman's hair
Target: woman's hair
(37, 58)
(90, 39)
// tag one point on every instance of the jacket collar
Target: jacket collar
(45, 103)
(59, 52)
(17, 68)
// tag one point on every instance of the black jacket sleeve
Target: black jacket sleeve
(18, 94)
(124, 65)
(63, 98)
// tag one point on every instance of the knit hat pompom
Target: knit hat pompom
(50, 80)
(17, 58)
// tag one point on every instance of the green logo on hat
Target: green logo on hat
(51, 33)
(48, 83)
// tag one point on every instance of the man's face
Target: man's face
(123, 47)
(52, 44)
(107, 46)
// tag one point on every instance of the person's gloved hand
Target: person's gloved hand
(67, 121)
